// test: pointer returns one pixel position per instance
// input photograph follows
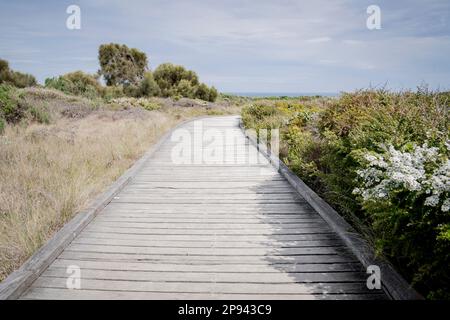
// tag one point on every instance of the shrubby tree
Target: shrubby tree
(120, 65)
(15, 78)
(205, 93)
(185, 89)
(168, 76)
(148, 86)
(77, 83)
(4, 69)
(175, 80)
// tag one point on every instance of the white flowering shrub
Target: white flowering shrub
(422, 172)
(405, 194)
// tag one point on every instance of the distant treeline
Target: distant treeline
(126, 74)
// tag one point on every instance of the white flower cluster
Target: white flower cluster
(406, 171)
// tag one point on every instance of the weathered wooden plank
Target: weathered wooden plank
(235, 232)
(207, 211)
(208, 192)
(255, 185)
(206, 251)
(225, 260)
(202, 237)
(212, 226)
(225, 207)
(219, 217)
(222, 268)
(177, 219)
(228, 277)
(216, 202)
(206, 244)
(55, 293)
(144, 196)
(207, 287)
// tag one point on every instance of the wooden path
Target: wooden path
(216, 230)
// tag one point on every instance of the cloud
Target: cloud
(319, 40)
(237, 45)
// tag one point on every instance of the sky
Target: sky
(242, 45)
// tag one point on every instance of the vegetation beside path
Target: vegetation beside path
(382, 160)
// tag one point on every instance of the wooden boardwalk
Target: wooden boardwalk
(214, 230)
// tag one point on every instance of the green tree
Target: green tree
(122, 65)
(168, 76)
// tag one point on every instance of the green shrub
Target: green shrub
(261, 116)
(203, 92)
(23, 80)
(132, 90)
(40, 114)
(12, 106)
(184, 88)
(213, 94)
(406, 194)
(168, 76)
(112, 92)
(174, 80)
(149, 105)
(15, 78)
(76, 83)
(2, 125)
(149, 87)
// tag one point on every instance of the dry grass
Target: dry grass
(50, 172)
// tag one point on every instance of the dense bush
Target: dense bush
(354, 151)
(262, 116)
(120, 65)
(113, 92)
(149, 87)
(76, 83)
(2, 125)
(144, 103)
(168, 76)
(15, 78)
(203, 92)
(174, 80)
(14, 108)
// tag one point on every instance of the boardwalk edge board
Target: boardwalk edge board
(395, 286)
(18, 282)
